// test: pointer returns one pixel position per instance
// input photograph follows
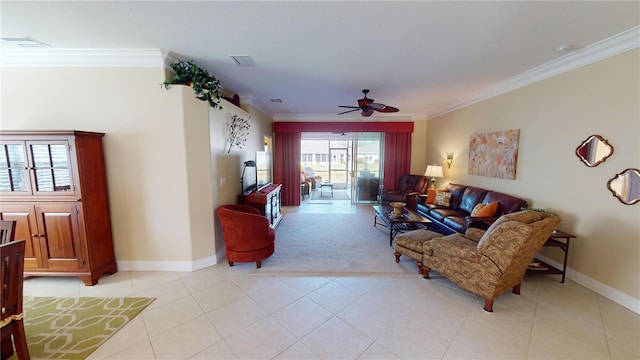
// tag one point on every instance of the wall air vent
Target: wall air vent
(243, 60)
(276, 100)
(23, 41)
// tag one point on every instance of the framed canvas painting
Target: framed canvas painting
(494, 154)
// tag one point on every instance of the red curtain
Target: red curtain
(397, 157)
(286, 166)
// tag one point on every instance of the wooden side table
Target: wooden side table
(555, 240)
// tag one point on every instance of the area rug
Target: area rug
(333, 245)
(72, 328)
(326, 196)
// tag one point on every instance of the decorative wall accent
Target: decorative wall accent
(494, 154)
(626, 186)
(236, 132)
(594, 150)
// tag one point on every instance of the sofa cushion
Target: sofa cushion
(443, 198)
(506, 203)
(488, 210)
(412, 183)
(431, 196)
(476, 209)
(471, 197)
(426, 208)
(456, 195)
(455, 222)
(440, 213)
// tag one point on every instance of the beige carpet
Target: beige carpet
(333, 245)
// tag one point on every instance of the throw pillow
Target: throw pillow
(488, 210)
(443, 198)
(476, 209)
(431, 196)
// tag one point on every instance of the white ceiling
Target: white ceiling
(423, 57)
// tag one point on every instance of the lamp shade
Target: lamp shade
(433, 171)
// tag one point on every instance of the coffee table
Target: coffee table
(409, 220)
(326, 185)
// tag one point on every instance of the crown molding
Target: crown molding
(84, 57)
(617, 44)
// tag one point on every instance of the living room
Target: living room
(167, 173)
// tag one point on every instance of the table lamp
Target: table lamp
(433, 171)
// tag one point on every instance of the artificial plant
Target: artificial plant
(205, 85)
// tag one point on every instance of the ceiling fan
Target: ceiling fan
(367, 106)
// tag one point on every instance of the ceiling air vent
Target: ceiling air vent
(243, 60)
(276, 100)
(23, 41)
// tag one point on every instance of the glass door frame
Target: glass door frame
(369, 178)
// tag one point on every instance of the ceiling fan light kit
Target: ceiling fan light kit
(368, 106)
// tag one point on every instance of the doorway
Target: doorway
(350, 162)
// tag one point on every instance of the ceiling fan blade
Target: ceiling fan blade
(349, 107)
(348, 111)
(377, 106)
(388, 109)
(367, 111)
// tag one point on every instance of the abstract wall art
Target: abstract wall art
(494, 154)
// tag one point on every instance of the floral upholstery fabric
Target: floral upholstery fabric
(410, 243)
(488, 263)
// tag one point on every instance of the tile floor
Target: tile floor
(221, 312)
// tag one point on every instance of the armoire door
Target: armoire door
(59, 235)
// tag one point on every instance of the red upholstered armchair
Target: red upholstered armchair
(408, 187)
(247, 234)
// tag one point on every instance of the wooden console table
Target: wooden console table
(267, 201)
(554, 241)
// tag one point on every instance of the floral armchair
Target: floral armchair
(488, 263)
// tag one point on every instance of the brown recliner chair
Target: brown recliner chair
(408, 187)
(488, 263)
(247, 234)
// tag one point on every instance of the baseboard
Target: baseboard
(607, 291)
(170, 265)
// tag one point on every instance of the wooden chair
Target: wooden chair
(12, 275)
(7, 231)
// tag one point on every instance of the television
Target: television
(263, 169)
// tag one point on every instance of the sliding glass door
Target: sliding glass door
(366, 170)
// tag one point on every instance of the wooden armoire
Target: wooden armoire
(54, 184)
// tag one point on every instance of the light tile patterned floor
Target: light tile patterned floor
(221, 312)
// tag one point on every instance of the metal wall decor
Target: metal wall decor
(594, 150)
(626, 186)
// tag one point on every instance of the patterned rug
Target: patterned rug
(72, 328)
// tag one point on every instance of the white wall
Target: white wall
(226, 167)
(159, 182)
(554, 116)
